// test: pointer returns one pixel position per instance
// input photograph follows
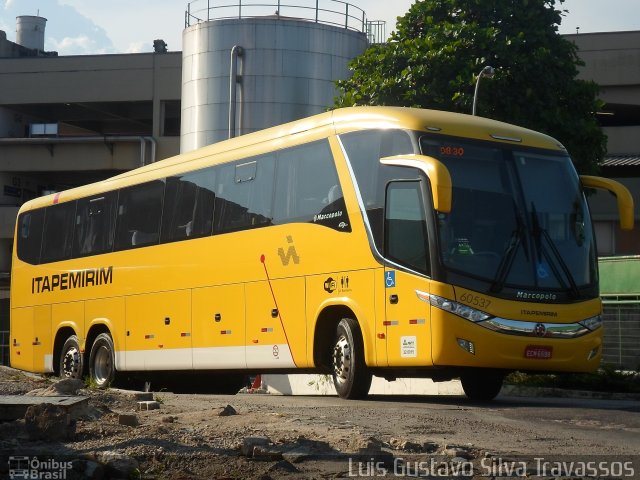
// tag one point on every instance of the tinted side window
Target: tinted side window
(308, 189)
(139, 212)
(30, 226)
(188, 206)
(95, 225)
(244, 194)
(364, 150)
(58, 232)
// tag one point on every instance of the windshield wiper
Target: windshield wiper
(539, 234)
(510, 253)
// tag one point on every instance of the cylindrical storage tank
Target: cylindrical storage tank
(30, 31)
(286, 68)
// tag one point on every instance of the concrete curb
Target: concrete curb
(547, 392)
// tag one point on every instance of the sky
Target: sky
(79, 27)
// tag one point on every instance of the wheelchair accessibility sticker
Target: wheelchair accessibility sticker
(390, 279)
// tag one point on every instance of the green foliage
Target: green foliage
(321, 382)
(433, 58)
(90, 383)
(607, 379)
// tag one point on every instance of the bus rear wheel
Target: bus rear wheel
(102, 368)
(351, 377)
(482, 386)
(71, 359)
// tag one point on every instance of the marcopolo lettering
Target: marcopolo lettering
(327, 216)
(90, 277)
(536, 296)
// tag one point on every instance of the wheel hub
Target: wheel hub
(71, 363)
(102, 365)
(341, 360)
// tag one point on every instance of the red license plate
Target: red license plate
(538, 352)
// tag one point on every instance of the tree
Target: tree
(439, 47)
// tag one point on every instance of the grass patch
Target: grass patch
(606, 379)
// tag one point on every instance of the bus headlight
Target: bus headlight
(592, 323)
(456, 308)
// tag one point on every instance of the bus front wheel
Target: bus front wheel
(71, 359)
(102, 361)
(482, 386)
(351, 376)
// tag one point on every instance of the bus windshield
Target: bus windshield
(519, 220)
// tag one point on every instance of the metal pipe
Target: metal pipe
(234, 78)
(154, 147)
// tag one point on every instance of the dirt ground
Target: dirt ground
(271, 437)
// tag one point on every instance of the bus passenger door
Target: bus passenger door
(219, 327)
(407, 318)
(407, 321)
(276, 326)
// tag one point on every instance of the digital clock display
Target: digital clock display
(452, 151)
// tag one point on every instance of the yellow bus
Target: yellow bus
(365, 241)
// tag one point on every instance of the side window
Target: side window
(364, 150)
(406, 239)
(95, 225)
(244, 194)
(308, 189)
(58, 232)
(139, 212)
(188, 206)
(30, 226)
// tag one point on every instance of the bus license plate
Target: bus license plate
(539, 352)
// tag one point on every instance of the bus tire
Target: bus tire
(351, 377)
(481, 386)
(102, 367)
(71, 359)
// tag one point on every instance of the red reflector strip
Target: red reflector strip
(56, 198)
(417, 321)
(388, 323)
(266, 330)
(225, 332)
(149, 337)
(185, 334)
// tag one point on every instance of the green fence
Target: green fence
(620, 291)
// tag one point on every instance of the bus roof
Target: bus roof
(333, 122)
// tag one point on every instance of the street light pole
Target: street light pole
(488, 72)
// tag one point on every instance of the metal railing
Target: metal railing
(621, 342)
(328, 12)
(4, 347)
(376, 31)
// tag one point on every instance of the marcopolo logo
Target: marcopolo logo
(34, 468)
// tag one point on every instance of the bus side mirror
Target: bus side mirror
(436, 172)
(623, 196)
